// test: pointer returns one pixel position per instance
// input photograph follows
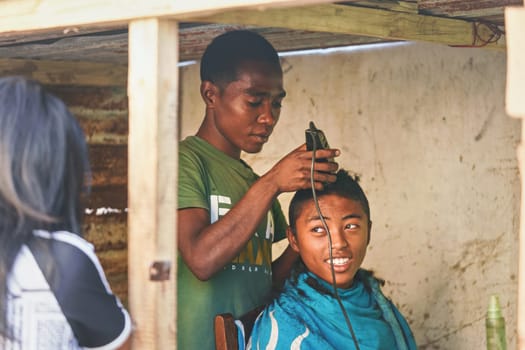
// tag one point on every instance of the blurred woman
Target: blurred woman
(53, 291)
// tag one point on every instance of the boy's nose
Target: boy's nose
(266, 115)
(338, 240)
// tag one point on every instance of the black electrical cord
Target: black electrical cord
(334, 285)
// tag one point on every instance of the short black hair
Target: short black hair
(345, 186)
(227, 51)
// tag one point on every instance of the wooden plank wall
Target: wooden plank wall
(103, 115)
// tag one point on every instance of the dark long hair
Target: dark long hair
(43, 171)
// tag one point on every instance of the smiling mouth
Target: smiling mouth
(339, 261)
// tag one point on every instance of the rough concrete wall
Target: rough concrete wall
(425, 128)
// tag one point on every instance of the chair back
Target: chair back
(226, 337)
(233, 334)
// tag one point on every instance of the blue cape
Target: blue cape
(303, 317)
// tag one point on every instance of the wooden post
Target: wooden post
(152, 181)
(515, 105)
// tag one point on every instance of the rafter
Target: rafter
(390, 25)
(31, 15)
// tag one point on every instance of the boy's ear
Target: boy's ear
(209, 93)
(369, 232)
(292, 239)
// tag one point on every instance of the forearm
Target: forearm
(208, 248)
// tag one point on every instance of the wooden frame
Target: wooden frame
(30, 15)
(152, 181)
(515, 21)
(379, 23)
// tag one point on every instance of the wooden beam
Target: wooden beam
(355, 20)
(31, 15)
(515, 105)
(521, 258)
(465, 8)
(400, 6)
(152, 181)
(66, 72)
(515, 26)
(20, 38)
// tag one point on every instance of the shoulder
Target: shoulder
(191, 146)
(193, 156)
(186, 145)
(193, 175)
(67, 249)
(71, 259)
(77, 280)
(369, 279)
(63, 244)
(278, 329)
(285, 310)
(65, 239)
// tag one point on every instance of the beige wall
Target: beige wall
(425, 127)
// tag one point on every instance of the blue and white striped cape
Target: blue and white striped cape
(302, 317)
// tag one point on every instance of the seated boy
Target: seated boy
(308, 313)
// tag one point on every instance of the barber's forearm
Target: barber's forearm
(217, 244)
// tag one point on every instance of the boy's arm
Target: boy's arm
(206, 248)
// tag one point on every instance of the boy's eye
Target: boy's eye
(277, 104)
(351, 226)
(254, 103)
(318, 229)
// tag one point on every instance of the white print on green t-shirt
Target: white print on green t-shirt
(215, 210)
(248, 268)
(258, 250)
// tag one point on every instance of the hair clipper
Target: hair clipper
(315, 138)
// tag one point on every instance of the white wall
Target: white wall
(425, 127)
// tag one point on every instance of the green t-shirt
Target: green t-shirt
(210, 179)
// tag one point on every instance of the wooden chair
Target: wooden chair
(227, 329)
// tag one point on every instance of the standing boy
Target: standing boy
(228, 216)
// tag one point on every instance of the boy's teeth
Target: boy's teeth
(339, 261)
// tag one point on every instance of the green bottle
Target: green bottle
(495, 326)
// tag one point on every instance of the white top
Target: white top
(59, 298)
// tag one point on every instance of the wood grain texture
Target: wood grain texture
(32, 15)
(515, 106)
(362, 21)
(153, 92)
(65, 72)
(108, 42)
(515, 18)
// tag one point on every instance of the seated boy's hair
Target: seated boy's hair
(345, 186)
(226, 52)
